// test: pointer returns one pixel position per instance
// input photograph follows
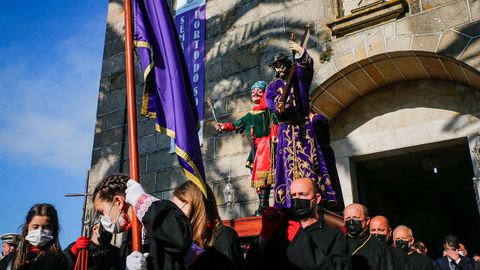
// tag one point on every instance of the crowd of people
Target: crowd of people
(186, 232)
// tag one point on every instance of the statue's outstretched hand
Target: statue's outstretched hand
(293, 46)
(219, 126)
(227, 127)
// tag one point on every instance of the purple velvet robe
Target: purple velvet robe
(298, 153)
(322, 134)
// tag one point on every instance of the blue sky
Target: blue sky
(50, 63)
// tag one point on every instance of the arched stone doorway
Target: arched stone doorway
(370, 74)
(394, 116)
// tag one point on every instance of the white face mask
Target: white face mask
(461, 253)
(39, 237)
(112, 227)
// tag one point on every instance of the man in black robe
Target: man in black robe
(403, 239)
(314, 246)
(380, 229)
(367, 253)
(296, 238)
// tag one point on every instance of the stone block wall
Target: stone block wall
(241, 37)
(449, 27)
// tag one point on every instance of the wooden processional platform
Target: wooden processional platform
(251, 226)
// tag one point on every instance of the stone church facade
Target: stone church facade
(394, 77)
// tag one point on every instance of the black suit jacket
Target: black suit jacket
(464, 264)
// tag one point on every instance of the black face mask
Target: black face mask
(354, 227)
(301, 208)
(104, 237)
(381, 237)
(403, 245)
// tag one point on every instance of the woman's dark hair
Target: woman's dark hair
(113, 185)
(42, 209)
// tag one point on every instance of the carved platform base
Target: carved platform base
(251, 226)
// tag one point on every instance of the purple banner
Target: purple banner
(190, 24)
(168, 95)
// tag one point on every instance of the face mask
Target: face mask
(461, 253)
(39, 237)
(381, 237)
(301, 208)
(403, 245)
(103, 237)
(113, 227)
(354, 227)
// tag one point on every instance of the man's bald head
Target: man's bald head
(356, 220)
(304, 188)
(355, 211)
(381, 220)
(402, 232)
(380, 225)
(305, 183)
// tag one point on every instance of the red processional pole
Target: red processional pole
(132, 118)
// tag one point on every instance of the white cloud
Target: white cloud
(48, 101)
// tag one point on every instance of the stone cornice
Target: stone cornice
(367, 16)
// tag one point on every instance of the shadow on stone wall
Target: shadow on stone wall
(464, 44)
(457, 99)
(428, 31)
(237, 56)
(461, 43)
(466, 48)
(240, 40)
(238, 46)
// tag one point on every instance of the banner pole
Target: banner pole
(132, 118)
